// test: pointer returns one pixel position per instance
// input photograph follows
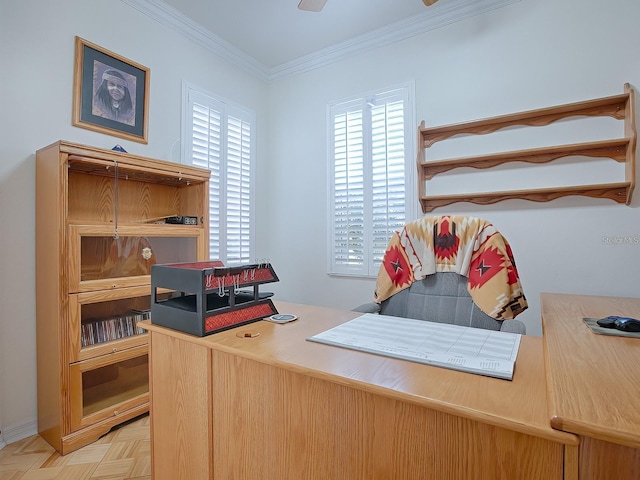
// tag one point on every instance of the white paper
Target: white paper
(474, 350)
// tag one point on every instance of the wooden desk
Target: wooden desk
(594, 383)
(279, 407)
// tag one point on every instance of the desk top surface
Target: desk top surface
(519, 405)
(593, 380)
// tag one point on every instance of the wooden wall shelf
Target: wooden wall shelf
(620, 107)
(614, 191)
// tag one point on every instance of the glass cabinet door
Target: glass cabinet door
(101, 260)
(106, 387)
(104, 323)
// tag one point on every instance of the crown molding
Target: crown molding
(172, 18)
(436, 16)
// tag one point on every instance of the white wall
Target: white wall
(37, 55)
(529, 55)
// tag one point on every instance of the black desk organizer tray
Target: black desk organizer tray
(207, 298)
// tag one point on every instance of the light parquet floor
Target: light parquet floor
(122, 454)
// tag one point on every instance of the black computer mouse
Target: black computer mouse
(607, 322)
(627, 324)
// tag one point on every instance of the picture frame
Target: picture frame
(110, 93)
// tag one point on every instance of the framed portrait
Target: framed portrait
(110, 93)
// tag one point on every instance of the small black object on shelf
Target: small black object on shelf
(182, 220)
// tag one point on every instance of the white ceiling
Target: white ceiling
(273, 38)
(275, 32)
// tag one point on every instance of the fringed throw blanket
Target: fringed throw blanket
(469, 246)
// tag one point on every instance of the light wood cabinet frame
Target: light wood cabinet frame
(83, 190)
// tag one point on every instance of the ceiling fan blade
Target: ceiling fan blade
(429, 2)
(311, 5)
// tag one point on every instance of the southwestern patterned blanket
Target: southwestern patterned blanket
(469, 246)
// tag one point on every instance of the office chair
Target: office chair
(450, 269)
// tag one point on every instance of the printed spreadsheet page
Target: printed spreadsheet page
(474, 350)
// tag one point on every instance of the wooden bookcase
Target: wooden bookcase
(620, 107)
(99, 228)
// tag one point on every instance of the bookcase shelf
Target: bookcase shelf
(99, 230)
(623, 150)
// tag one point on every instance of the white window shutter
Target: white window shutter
(388, 176)
(221, 139)
(238, 190)
(371, 164)
(348, 191)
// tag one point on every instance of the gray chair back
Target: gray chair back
(440, 297)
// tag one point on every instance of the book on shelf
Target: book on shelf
(102, 330)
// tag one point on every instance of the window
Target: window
(220, 136)
(372, 164)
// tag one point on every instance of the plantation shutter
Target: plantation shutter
(370, 164)
(221, 140)
(238, 190)
(388, 177)
(348, 250)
